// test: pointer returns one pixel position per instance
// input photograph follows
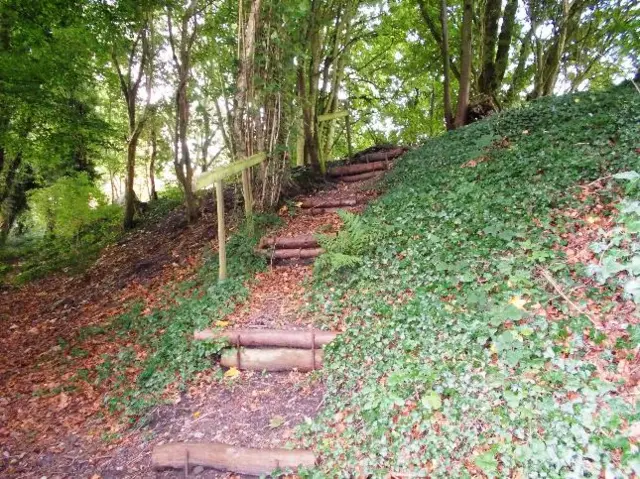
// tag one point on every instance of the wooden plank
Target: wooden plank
(210, 177)
(240, 460)
(222, 241)
(332, 116)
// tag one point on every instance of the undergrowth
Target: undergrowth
(156, 348)
(450, 365)
(34, 255)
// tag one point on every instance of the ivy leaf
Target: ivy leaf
(627, 175)
(488, 463)
(632, 289)
(432, 401)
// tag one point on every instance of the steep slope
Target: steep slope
(476, 342)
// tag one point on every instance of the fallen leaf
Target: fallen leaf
(64, 401)
(232, 372)
(518, 302)
(222, 324)
(276, 421)
(196, 414)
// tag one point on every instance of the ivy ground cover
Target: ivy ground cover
(489, 301)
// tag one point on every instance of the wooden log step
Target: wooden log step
(271, 337)
(329, 203)
(359, 168)
(294, 242)
(360, 177)
(322, 211)
(382, 155)
(239, 460)
(272, 359)
(299, 253)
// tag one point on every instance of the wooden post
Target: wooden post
(215, 177)
(248, 198)
(222, 246)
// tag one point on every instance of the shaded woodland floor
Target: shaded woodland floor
(49, 430)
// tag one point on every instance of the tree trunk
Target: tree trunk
(130, 195)
(444, 49)
(504, 43)
(152, 164)
(465, 65)
(490, 20)
(246, 47)
(520, 74)
(185, 162)
(552, 65)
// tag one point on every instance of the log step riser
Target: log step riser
(350, 170)
(270, 337)
(290, 253)
(272, 359)
(222, 457)
(339, 203)
(361, 177)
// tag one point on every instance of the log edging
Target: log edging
(227, 458)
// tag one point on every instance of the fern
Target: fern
(345, 250)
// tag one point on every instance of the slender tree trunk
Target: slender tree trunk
(520, 73)
(432, 110)
(130, 195)
(552, 66)
(152, 164)
(444, 47)
(465, 65)
(246, 47)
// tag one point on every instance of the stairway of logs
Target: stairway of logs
(277, 350)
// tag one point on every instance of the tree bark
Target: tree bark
(444, 49)
(152, 163)
(490, 20)
(520, 73)
(182, 63)
(465, 65)
(504, 44)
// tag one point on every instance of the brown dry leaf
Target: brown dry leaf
(63, 402)
(276, 421)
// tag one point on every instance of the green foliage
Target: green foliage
(66, 206)
(445, 361)
(33, 255)
(344, 250)
(620, 251)
(166, 333)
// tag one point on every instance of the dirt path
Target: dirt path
(252, 409)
